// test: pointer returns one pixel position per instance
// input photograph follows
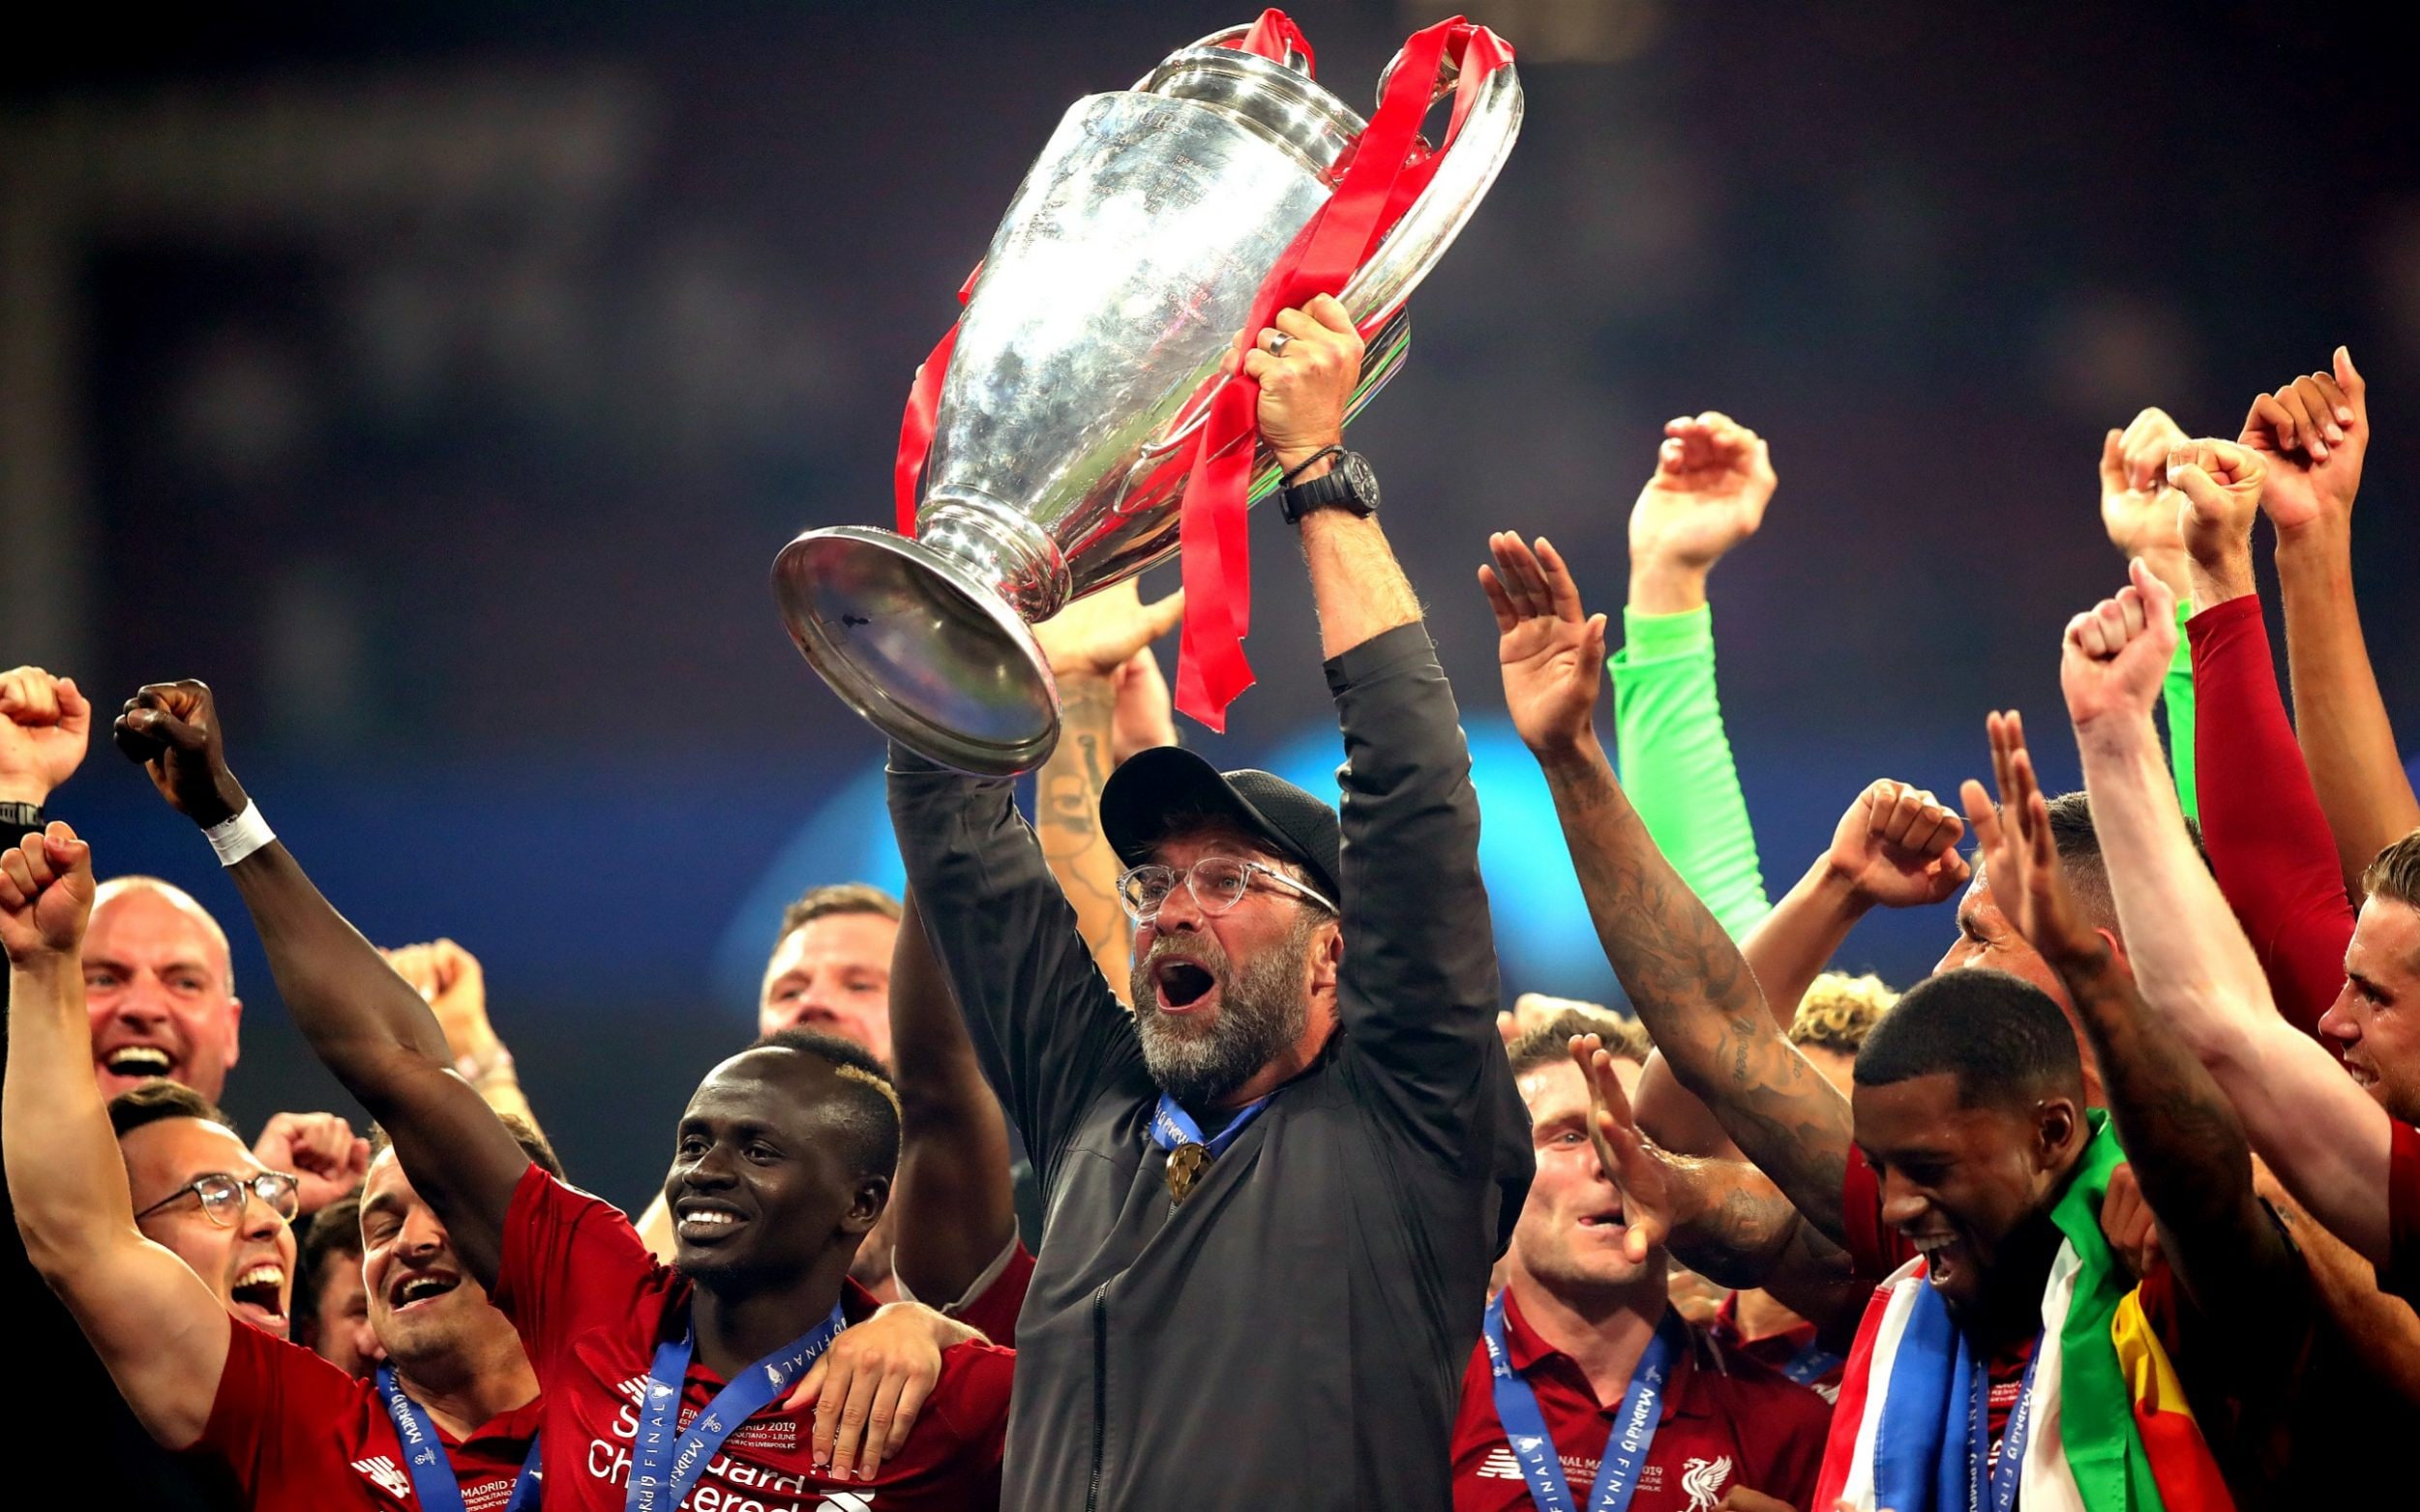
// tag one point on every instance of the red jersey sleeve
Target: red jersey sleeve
(975, 1410)
(1874, 1247)
(994, 1310)
(571, 1261)
(2401, 1274)
(275, 1401)
(2261, 822)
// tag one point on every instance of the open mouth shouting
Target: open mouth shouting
(420, 1288)
(138, 1062)
(258, 1296)
(1944, 1257)
(1180, 986)
(705, 1222)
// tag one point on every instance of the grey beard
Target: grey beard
(1263, 1011)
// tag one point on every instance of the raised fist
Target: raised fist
(2139, 507)
(1551, 653)
(45, 726)
(449, 979)
(2115, 654)
(1896, 847)
(172, 731)
(1712, 479)
(2220, 484)
(320, 1150)
(45, 895)
(2312, 435)
(1307, 366)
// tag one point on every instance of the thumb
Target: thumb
(161, 725)
(75, 711)
(1165, 614)
(2158, 598)
(2202, 492)
(2112, 463)
(2349, 378)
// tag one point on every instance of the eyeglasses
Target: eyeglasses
(222, 1196)
(1217, 885)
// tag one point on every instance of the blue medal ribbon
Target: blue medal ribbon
(1634, 1425)
(1994, 1484)
(1171, 1126)
(434, 1482)
(663, 1469)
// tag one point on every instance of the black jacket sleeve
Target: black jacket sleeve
(1049, 1032)
(1418, 990)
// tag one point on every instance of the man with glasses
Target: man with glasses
(1275, 1189)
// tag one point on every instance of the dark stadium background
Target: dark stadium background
(440, 385)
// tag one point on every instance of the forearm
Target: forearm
(65, 1178)
(2381, 1328)
(1067, 819)
(1357, 585)
(1676, 759)
(2340, 717)
(2266, 834)
(1730, 1224)
(1694, 992)
(952, 1208)
(1794, 942)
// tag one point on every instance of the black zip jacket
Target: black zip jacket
(1294, 1335)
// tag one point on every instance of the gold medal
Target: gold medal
(1185, 1165)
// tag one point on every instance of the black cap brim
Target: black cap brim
(1168, 788)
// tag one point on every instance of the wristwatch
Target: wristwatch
(1349, 485)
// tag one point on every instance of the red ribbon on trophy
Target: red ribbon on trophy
(1383, 173)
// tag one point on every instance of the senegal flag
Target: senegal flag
(2110, 1431)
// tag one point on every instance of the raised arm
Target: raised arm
(1417, 988)
(2138, 509)
(1712, 479)
(454, 986)
(2313, 434)
(2261, 822)
(364, 1021)
(2182, 1138)
(1110, 693)
(160, 1331)
(1687, 980)
(952, 1208)
(2326, 1139)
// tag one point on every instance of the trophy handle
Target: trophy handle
(1297, 58)
(1465, 168)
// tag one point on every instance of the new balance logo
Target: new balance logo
(847, 1501)
(385, 1475)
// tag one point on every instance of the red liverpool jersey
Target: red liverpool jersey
(300, 1434)
(591, 1305)
(1726, 1422)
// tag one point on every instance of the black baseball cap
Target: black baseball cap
(1167, 788)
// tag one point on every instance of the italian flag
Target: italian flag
(2110, 1428)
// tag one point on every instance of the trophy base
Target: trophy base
(910, 639)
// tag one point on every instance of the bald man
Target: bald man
(160, 989)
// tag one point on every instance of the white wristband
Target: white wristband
(239, 837)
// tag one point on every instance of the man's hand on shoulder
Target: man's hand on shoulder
(1713, 480)
(171, 730)
(869, 1386)
(45, 723)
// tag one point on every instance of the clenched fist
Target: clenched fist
(1896, 847)
(171, 729)
(45, 895)
(449, 979)
(320, 1150)
(2114, 654)
(45, 726)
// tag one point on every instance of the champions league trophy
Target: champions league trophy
(1072, 404)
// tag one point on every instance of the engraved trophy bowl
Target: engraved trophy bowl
(1101, 324)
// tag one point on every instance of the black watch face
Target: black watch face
(1361, 478)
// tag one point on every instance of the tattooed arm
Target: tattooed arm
(1113, 703)
(1684, 976)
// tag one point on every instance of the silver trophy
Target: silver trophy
(1112, 297)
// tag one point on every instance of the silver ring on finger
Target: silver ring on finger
(1278, 343)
